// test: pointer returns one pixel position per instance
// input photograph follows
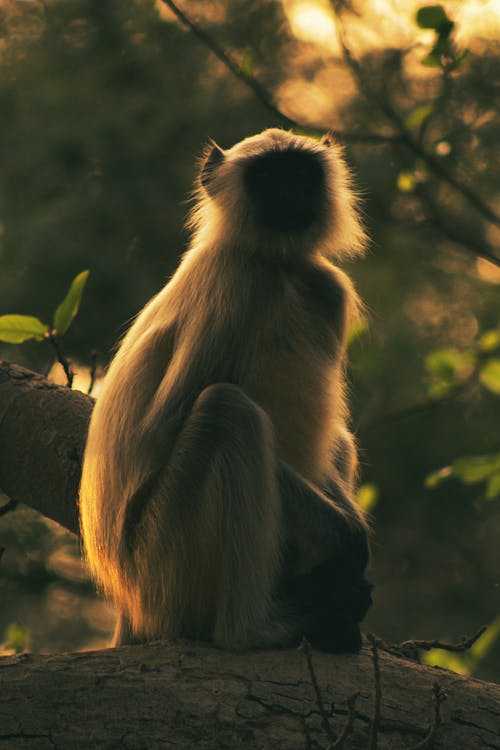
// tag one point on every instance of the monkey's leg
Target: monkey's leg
(207, 547)
(321, 525)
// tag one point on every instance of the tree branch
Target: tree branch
(190, 695)
(260, 91)
(405, 135)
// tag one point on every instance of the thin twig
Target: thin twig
(434, 213)
(406, 137)
(349, 722)
(305, 647)
(438, 696)
(93, 369)
(260, 91)
(464, 645)
(375, 722)
(8, 507)
(367, 423)
(51, 337)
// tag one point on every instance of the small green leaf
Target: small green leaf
(16, 637)
(418, 116)
(406, 182)
(432, 60)
(483, 645)
(493, 486)
(450, 365)
(367, 496)
(247, 67)
(14, 329)
(357, 330)
(489, 340)
(490, 375)
(68, 308)
(433, 17)
(436, 477)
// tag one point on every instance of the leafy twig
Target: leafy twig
(405, 135)
(53, 340)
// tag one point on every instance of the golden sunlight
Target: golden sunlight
(312, 21)
(384, 23)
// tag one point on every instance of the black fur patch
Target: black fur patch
(286, 189)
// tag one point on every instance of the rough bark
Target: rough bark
(42, 436)
(190, 695)
(187, 695)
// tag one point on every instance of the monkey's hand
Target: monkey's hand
(320, 527)
(331, 600)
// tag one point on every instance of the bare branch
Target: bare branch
(261, 92)
(464, 645)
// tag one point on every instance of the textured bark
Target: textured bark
(42, 436)
(188, 695)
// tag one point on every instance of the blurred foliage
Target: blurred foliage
(104, 108)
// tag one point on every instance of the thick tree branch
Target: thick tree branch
(42, 436)
(188, 695)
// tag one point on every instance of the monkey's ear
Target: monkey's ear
(328, 139)
(215, 157)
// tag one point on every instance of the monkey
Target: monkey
(217, 499)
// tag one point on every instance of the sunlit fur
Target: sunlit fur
(182, 518)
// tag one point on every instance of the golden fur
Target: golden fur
(230, 375)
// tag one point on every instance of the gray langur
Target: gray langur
(217, 495)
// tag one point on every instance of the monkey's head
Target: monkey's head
(280, 192)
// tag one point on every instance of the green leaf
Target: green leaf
(367, 496)
(474, 469)
(14, 329)
(16, 637)
(454, 662)
(490, 375)
(449, 367)
(493, 486)
(70, 304)
(489, 340)
(418, 116)
(434, 17)
(483, 645)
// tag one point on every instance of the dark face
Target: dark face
(286, 189)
